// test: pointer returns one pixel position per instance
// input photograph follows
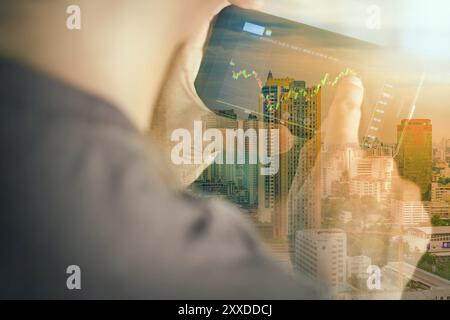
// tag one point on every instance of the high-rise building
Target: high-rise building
(439, 208)
(223, 178)
(216, 172)
(288, 102)
(251, 174)
(440, 192)
(269, 194)
(303, 162)
(321, 255)
(379, 167)
(414, 158)
(366, 186)
(411, 213)
(372, 176)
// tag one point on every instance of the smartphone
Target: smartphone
(250, 52)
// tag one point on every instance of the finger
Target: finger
(248, 4)
(344, 116)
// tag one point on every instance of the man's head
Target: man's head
(122, 52)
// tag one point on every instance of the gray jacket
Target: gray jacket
(80, 186)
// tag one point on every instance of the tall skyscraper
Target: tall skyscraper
(283, 102)
(269, 189)
(304, 202)
(414, 157)
(251, 173)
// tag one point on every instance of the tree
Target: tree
(444, 180)
(436, 221)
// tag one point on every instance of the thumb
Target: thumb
(344, 116)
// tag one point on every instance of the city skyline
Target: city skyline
(323, 196)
